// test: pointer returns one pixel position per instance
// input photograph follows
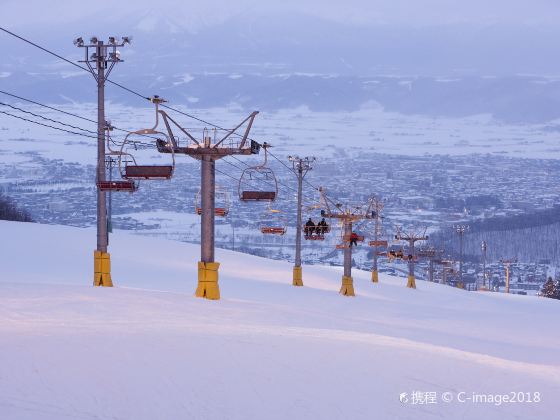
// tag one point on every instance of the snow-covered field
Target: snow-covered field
(148, 349)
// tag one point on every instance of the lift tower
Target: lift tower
(377, 208)
(507, 265)
(347, 215)
(301, 166)
(484, 248)
(208, 151)
(411, 237)
(433, 255)
(100, 63)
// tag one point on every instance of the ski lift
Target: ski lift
(117, 186)
(258, 183)
(316, 232)
(378, 244)
(273, 223)
(346, 243)
(131, 170)
(379, 247)
(110, 185)
(221, 202)
(128, 166)
(395, 252)
(347, 238)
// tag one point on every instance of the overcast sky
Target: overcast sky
(366, 36)
(18, 13)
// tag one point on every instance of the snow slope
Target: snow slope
(148, 349)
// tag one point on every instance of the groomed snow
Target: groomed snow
(148, 349)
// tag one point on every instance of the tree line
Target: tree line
(10, 211)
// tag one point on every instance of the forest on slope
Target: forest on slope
(531, 237)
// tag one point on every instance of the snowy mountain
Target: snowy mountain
(147, 349)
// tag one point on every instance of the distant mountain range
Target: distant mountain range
(277, 61)
(515, 99)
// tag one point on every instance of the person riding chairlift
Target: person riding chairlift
(354, 239)
(309, 228)
(322, 227)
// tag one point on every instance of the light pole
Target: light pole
(232, 235)
(484, 247)
(100, 63)
(301, 166)
(461, 230)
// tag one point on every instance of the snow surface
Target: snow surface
(148, 349)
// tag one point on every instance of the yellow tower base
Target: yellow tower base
(297, 281)
(347, 288)
(375, 276)
(208, 280)
(411, 282)
(102, 269)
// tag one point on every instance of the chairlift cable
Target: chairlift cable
(47, 125)
(133, 92)
(48, 119)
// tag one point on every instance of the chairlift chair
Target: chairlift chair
(128, 166)
(395, 252)
(125, 185)
(222, 202)
(131, 170)
(117, 186)
(258, 183)
(273, 223)
(346, 238)
(317, 233)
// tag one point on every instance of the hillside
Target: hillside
(148, 349)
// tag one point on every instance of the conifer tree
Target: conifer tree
(550, 289)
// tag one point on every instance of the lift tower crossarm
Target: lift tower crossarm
(170, 131)
(250, 118)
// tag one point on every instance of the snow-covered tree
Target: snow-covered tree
(550, 289)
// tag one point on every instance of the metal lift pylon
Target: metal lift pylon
(347, 215)
(376, 243)
(208, 151)
(411, 238)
